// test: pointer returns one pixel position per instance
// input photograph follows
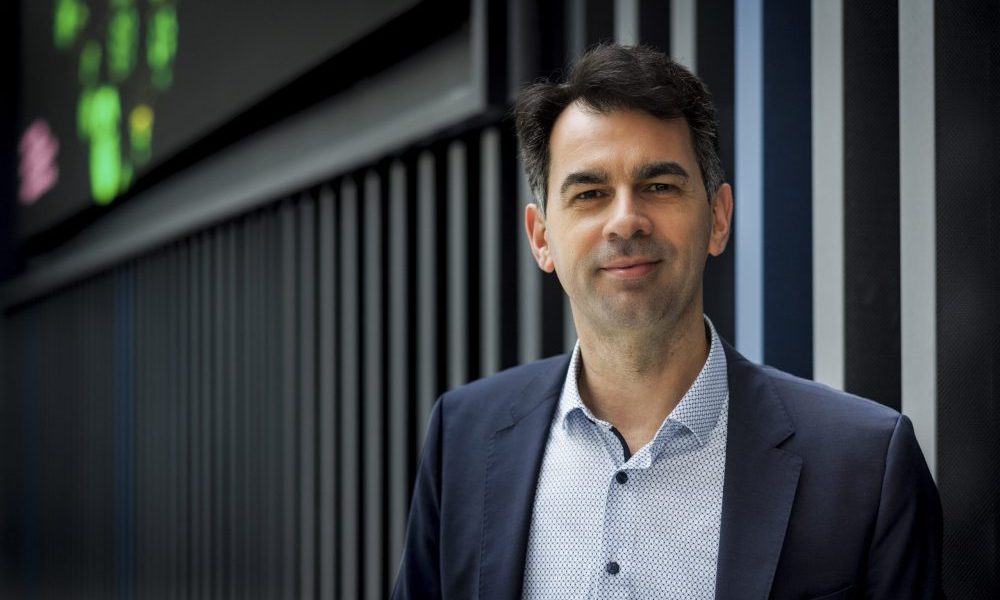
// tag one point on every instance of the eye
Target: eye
(589, 195)
(662, 188)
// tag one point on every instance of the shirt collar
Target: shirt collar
(698, 410)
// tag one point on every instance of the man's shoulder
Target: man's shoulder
(821, 412)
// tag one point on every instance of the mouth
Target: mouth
(630, 268)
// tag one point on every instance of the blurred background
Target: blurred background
(245, 245)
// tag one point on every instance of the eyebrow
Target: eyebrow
(583, 178)
(659, 169)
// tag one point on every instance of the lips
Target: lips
(631, 267)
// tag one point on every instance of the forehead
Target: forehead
(616, 142)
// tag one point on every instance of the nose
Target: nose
(627, 218)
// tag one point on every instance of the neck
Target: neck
(634, 379)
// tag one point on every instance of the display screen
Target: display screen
(112, 88)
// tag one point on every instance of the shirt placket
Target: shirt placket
(614, 575)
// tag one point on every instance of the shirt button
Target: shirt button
(621, 477)
(613, 568)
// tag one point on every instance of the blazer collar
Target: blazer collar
(760, 484)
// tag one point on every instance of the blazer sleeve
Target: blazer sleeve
(904, 560)
(419, 571)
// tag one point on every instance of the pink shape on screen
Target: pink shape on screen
(38, 169)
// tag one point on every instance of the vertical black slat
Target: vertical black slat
(289, 425)
(715, 40)
(398, 369)
(327, 316)
(967, 130)
(473, 245)
(788, 187)
(871, 201)
(306, 334)
(654, 23)
(599, 22)
(373, 435)
(536, 40)
(511, 236)
(442, 315)
(349, 448)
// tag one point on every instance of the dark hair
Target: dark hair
(611, 77)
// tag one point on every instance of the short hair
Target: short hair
(608, 78)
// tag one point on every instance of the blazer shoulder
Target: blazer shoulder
(498, 392)
(815, 405)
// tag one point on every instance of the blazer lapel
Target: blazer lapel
(512, 467)
(760, 483)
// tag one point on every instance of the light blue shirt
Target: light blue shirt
(609, 525)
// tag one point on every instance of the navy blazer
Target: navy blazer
(826, 495)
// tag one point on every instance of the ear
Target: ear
(534, 226)
(722, 219)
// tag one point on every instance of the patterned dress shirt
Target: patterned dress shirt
(607, 524)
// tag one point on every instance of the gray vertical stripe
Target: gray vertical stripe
(917, 226)
(529, 284)
(349, 391)
(327, 311)
(307, 395)
(489, 267)
(749, 216)
(373, 393)
(828, 191)
(576, 28)
(399, 389)
(426, 292)
(683, 33)
(458, 327)
(627, 22)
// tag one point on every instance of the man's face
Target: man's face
(628, 225)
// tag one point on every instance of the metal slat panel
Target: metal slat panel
(205, 380)
(457, 267)
(307, 395)
(349, 392)
(426, 292)
(327, 314)
(273, 405)
(399, 388)
(373, 394)
(232, 424)
(489, 266)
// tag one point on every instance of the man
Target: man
(655, 461)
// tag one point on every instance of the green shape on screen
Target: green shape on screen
(123, 42)
(140, 129)
(90, 63)
(70, 18)
(103, 121)
(161, 45)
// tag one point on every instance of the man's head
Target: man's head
(618, 78)
(634, 201)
